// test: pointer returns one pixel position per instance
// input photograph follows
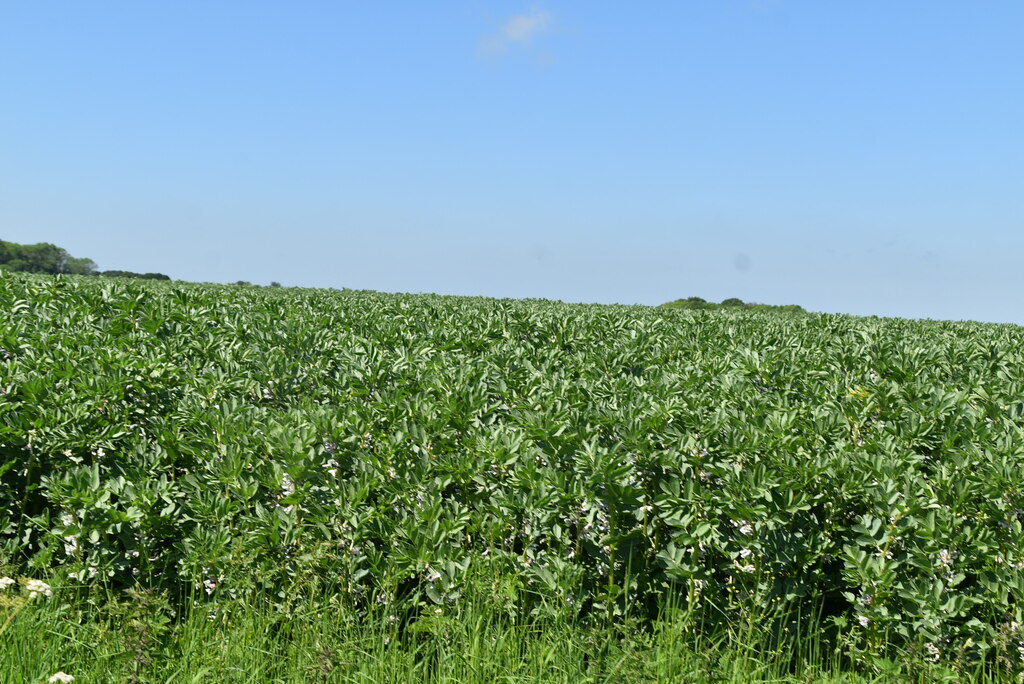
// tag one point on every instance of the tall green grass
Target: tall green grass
(97, 636)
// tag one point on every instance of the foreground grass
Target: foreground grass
(132, 639)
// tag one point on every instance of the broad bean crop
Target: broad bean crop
(220, 440)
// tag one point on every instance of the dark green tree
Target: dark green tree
(80, 266)
(43, 257)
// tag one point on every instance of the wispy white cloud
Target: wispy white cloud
(517, 31)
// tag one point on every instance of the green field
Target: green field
(271, 484)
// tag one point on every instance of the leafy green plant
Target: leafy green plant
(211, 443)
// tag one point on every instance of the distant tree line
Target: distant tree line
(44, 257)
(131, 274)
(731, 303)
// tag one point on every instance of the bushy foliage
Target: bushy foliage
(42, 258)
(225, 440)
(733, 302)
(47, 258)
(132, 274)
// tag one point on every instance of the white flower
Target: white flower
(747, 568)
(63, 677)
(746, 528)
(287, 486)
(6, 582)
(933, 651)
(863, 620)
(746, 553)
(209, 585)
(37, 588)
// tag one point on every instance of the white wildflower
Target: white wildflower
(746, 528)
(209, 585)
(70, 541)
(36, 588)
(287, 486)
(933, 651)
(748, 568)
(746, 553)
(6, 582)
(61, 677)
(863, 620)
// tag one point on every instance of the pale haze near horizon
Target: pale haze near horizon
(863, 158)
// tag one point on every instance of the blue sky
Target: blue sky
(856, 157)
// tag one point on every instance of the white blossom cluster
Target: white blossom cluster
(33, 587)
